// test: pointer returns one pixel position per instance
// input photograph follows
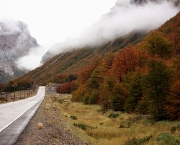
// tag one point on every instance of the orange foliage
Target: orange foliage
(65, 88)
(125, 61)
(173, 101)
(86, 72)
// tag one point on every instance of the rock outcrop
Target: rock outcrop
(15, 42)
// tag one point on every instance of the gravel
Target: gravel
(53, 132)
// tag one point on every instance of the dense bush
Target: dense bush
(141, 141)
(167, 139)
(80, 125)
(74, 117)
(112, 115)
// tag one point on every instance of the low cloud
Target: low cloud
(123, 18)
(126, 17)
(10, 26)
(32, 59)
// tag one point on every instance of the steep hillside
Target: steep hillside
(15, 42)
(123, 18)
(73, 61)
(144, 78)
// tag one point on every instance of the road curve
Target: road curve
(14, 116)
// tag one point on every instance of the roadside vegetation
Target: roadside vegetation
(89, 123)
(17, 89)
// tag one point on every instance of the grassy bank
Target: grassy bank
(114, 128)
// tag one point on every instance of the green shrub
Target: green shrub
(80, 125)
(123, 126)
(61, 101)
(167, 139)
(74, 117)
(141, 141)
(113, 115)
(174, 128)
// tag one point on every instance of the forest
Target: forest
(144, 78)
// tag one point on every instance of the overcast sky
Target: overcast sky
(52, 21)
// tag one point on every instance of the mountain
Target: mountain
(143, 79)
(15, 42)
(75, 57)
(125, 16)
(73, 61)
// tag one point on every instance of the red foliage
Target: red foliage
(173, 101)
(66, 88)
(125, 60)
(86, 72)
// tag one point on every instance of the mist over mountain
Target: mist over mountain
(174, 2)
(15, 42)
(125, 17)
(76, 60)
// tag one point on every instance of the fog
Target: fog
(123, 18)
(32, 59)
(126, 17)
(10, 26)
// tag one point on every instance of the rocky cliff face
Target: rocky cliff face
(15, 42)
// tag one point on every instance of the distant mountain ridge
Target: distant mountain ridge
(15, 42)
(101, 32)
(72, 62)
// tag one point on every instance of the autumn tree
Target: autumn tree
(156, 85)
(93, 84)
(157, 44)
(59, 78)
(79, 94)
(1, 87)
(24, 83)
(124, 61)
(62, 78)
(86, 72)
(177, 41)
(176, 67)
(105, 93)
(173, 101)
(142, 106)
(118, 97)
(135, 93)
(66, 88)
